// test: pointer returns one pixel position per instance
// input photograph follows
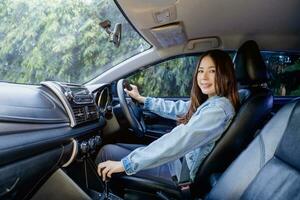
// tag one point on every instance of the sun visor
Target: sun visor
(169, 35)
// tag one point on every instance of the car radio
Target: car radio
(76, 94)
(77, 100)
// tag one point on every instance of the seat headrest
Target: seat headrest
(288, 149)
(250, 67)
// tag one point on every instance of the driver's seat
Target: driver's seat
(251, 74)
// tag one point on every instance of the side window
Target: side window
(284, 72)
(171, 78)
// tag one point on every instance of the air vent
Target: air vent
(79, 114)
(92, 113)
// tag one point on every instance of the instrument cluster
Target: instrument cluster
(103, 101)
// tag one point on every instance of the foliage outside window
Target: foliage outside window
(172, 78)
(61, 40)
(284, 71)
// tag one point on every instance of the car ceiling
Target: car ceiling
(274, 24)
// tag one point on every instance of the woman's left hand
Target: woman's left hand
(107, 168)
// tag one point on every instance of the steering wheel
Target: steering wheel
(131, 111)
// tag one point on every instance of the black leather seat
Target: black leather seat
(251, 74)
(270, 166)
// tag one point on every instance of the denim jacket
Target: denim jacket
(193, 140)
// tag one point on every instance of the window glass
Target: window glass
(171, 78)
(284, 72)
(61, 40)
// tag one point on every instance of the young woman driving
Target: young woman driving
(202, 120)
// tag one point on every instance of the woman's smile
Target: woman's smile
(205, 85)
(206, 76)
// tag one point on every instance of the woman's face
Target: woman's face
(206, 76)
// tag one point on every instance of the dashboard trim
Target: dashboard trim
(105, 90)
(66, 104)
(74, 153)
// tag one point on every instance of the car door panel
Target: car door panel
(157, 125)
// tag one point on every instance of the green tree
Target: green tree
(60, 40)
(172, 78)
(284, 71)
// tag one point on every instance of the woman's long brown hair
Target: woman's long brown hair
(225, 83)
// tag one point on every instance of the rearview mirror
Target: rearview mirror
(115, 35)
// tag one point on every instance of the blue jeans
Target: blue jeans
(118, 151)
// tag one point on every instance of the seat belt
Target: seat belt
(184, 180)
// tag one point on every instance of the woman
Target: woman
(202, 120)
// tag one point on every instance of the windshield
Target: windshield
(61, 40)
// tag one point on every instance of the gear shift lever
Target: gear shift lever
(106, 195)
(106, 192)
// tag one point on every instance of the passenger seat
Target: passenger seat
(270, 166)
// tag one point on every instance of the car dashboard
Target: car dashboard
(52, 121)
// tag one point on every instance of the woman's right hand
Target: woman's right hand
(134, 93)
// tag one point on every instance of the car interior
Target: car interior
(53, 123)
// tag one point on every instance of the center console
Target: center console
(79, 104)
(77, 101)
